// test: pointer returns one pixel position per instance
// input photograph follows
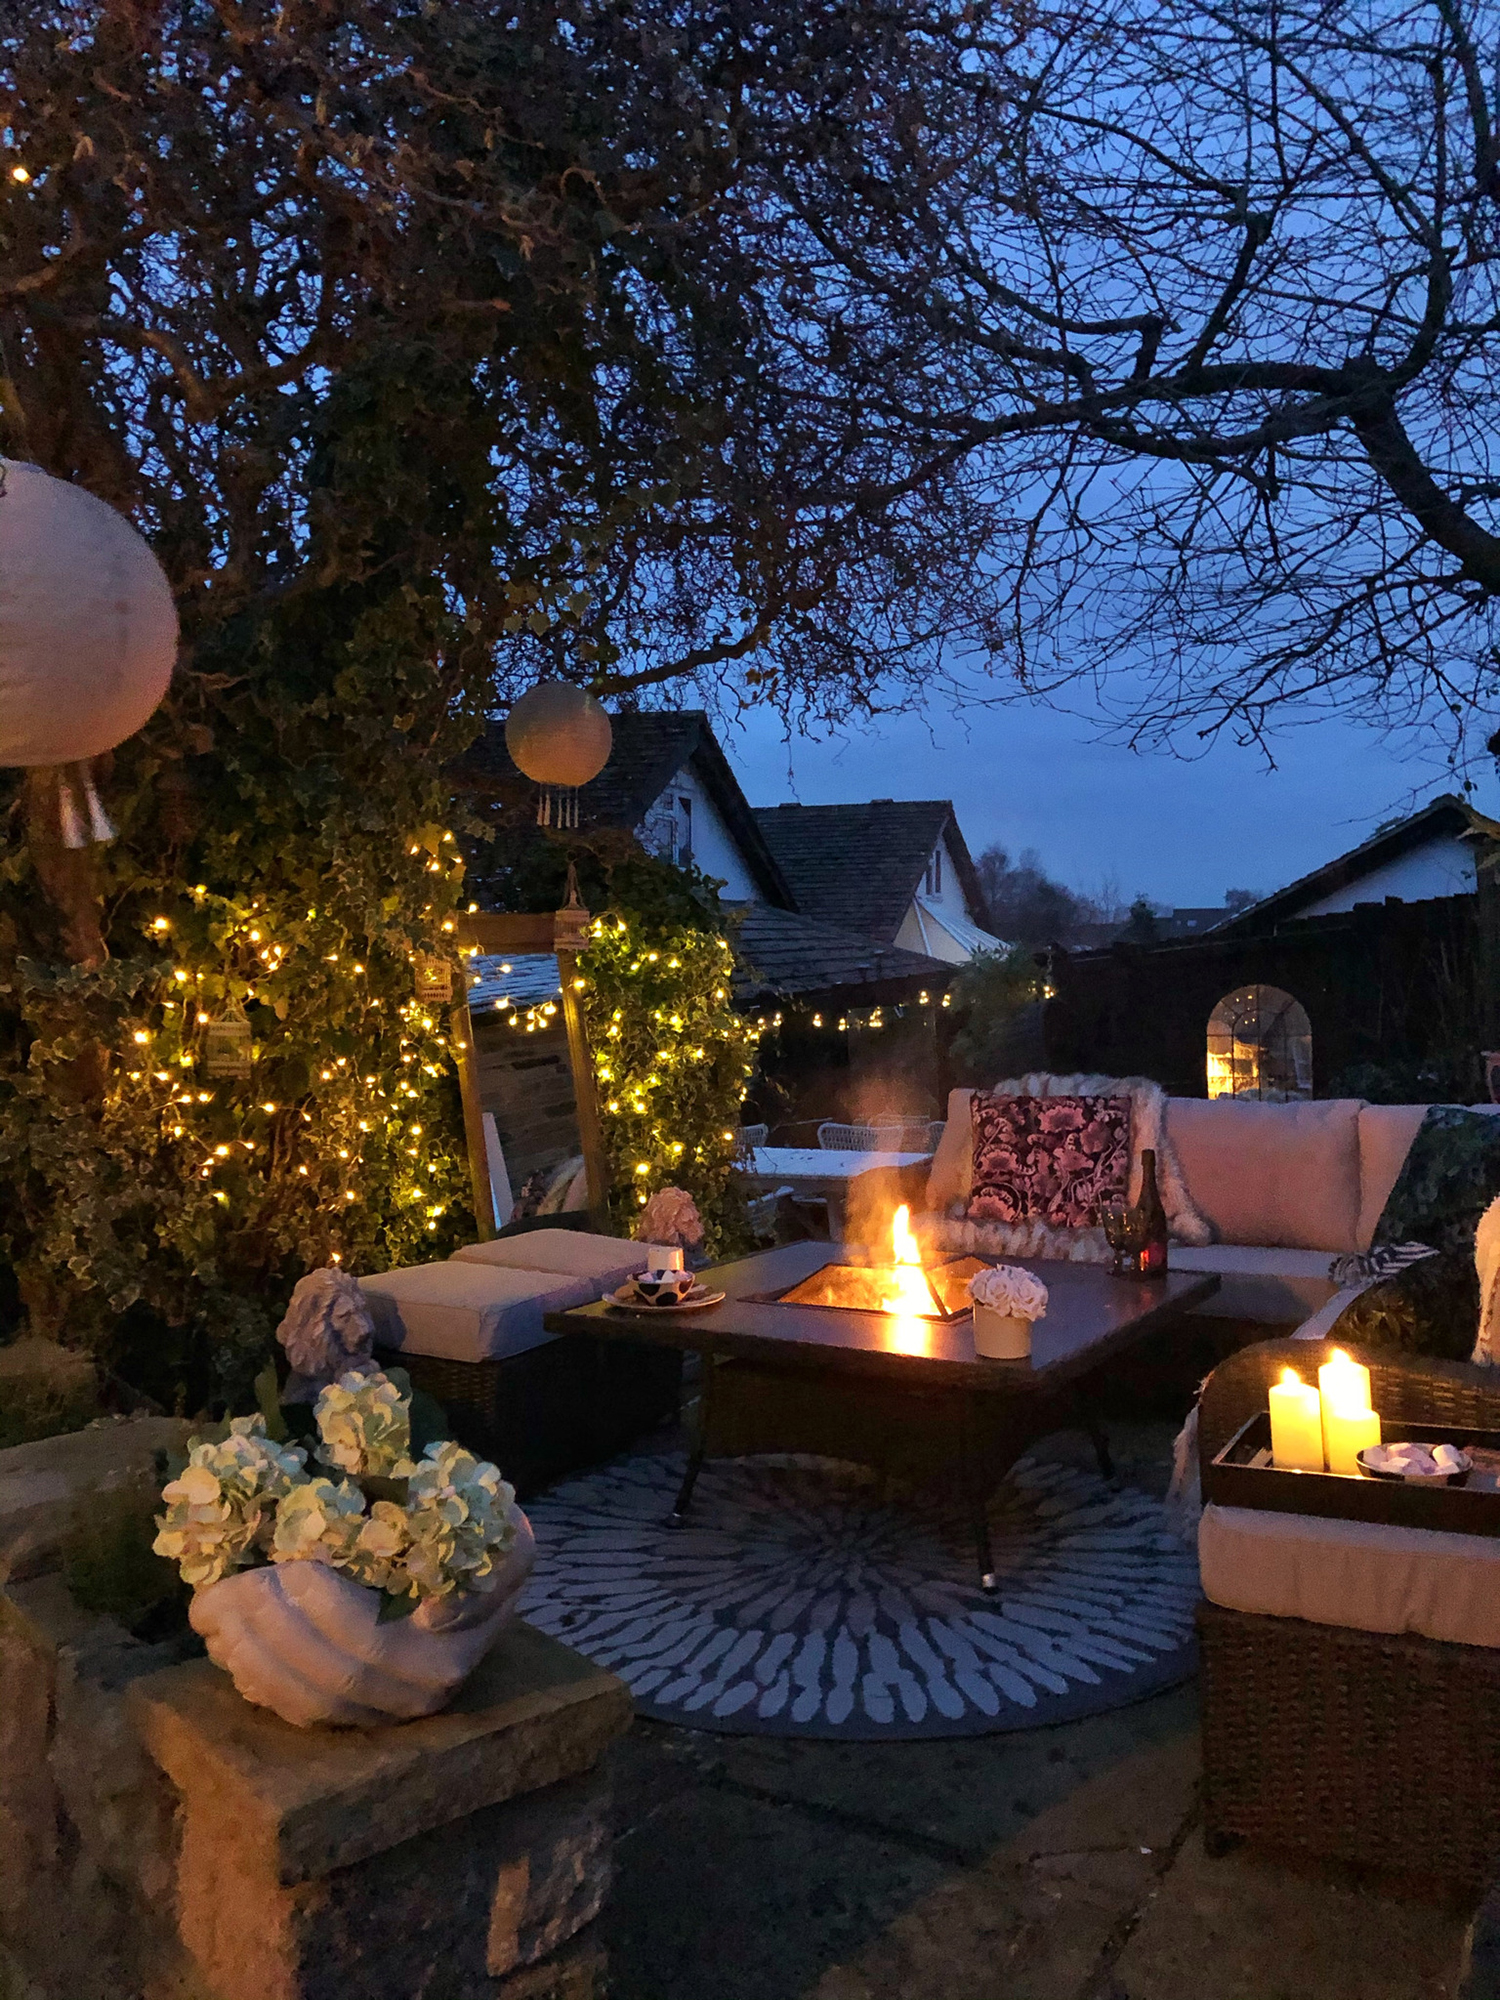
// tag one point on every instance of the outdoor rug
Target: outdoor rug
(798, 1601)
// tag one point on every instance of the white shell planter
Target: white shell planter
(1000, 1336)
(303, 1640)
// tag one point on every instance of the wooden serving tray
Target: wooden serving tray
(1242, 1476)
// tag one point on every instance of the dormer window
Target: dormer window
(932, 881)
(667, 830)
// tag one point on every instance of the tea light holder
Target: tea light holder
(663, 1257)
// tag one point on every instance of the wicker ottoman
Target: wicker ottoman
(1376, 1748)
(1353, 1746)
(469, 1332)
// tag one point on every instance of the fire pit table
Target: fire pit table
(901, 1391)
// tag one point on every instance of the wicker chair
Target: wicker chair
(1355, 1746)
(911, 1135)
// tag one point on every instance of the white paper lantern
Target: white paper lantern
(88, 629)
(559, 735)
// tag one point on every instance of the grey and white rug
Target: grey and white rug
(799, 1602)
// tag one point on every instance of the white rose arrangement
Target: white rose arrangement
(441, 1524)
(1009, 1290)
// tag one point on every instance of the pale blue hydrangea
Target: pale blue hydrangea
(246, 1500)
(459, 1512)
(318, 1521)
(375, 1557)
(364, 1422)
(221, 1509)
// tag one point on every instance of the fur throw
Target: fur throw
(1148, 1133)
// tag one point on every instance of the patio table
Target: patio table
(809, 1170)
(904, 1395)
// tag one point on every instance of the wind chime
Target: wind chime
(560, 737)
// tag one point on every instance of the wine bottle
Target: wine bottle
(1152, 1216)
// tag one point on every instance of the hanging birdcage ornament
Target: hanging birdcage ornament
(571, 922)
(433, 976)
(560, 737)
(229, 1044)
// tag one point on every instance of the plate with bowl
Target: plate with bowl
(664, 1292)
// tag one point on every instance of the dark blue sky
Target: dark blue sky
(1181, 832)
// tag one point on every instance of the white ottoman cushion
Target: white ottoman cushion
(469, 1312)
(1358, 1573)
(606, 1261)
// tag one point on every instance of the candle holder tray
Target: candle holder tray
(1240, 1475)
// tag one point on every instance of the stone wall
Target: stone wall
(162, 1840)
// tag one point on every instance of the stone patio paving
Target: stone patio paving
(1057, 1864)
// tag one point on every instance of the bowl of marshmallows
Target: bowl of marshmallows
(1417, 1464)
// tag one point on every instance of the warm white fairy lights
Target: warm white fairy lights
(671, 1057)
(340, 1134)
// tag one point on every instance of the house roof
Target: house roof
(650, 747)
(1443, 815)
(781, 953)
(859, 866)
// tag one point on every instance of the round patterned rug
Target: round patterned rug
(797, 1601)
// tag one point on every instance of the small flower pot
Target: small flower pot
(310, 1644)
(1000, 1336)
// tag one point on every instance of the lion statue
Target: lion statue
(327, 1332)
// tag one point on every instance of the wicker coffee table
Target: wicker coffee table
(909, 1398)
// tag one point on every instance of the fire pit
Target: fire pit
(906, 1288)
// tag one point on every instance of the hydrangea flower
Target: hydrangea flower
(318, 1521)
(375, 1555)
(459, 1516)
(670, 1216)
(247, 1500)
(365, 1424)
(221, 1509)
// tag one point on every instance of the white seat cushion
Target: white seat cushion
(573, 1253)
(1260, 1282)
(1357, 1573)
(469, 1312)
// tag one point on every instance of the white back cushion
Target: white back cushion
(1277, 1174)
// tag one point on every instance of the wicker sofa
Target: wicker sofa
(1379, 1747)
(1287, 1188)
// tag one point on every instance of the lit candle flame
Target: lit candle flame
(1290, 1379)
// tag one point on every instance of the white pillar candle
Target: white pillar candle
(662, 1257)
(1296, 1424)
(1346, 1433)
(1344, 1385)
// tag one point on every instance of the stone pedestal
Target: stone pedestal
(161, 1838)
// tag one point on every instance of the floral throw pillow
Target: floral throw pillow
(1059, 1160)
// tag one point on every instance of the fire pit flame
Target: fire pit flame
(903, 1290)
(912, 1293)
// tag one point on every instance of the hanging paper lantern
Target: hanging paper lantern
(561, 737)
(88, 630)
